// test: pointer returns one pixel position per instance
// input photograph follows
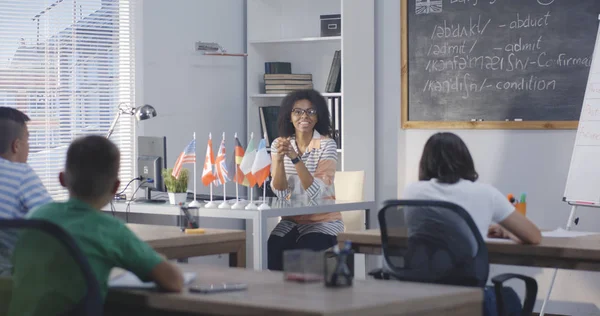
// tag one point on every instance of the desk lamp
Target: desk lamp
(141, 113)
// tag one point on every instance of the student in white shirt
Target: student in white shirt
(447, 173)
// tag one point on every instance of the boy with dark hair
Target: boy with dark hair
(91, 175)
(21, 189)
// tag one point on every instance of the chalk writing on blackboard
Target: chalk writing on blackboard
(500, 59)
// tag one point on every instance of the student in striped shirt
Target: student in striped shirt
(20, 188)
(304, 163)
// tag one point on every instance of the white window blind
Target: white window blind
(68, 64)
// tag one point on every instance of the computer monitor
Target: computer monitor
(152, 159)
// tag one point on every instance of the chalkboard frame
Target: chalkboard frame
(405, 123)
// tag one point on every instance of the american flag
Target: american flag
(428, 6)
(187, 156)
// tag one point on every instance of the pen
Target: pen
(511, 198)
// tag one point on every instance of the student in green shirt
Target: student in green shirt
(46, 280)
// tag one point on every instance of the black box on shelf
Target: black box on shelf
(331, 25)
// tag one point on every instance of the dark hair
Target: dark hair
(446, 158)
(286, 127)
(12, 125)
(92, 167)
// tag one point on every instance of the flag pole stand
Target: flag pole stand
(211, 203)
(264, 205)
(239, 205)
(251, 205)
(195, 202)
(224, 204)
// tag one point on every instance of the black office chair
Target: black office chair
(444, 247)
(31, 231)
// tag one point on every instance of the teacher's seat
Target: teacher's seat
(349, 186)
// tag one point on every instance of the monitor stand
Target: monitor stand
(148, 198)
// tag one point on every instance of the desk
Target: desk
(258, 218)
(174, 244)
(268, 294)
(578, 253)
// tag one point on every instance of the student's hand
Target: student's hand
(497, 231)
(168, 276)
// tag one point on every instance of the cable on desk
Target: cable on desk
(128, 183)
(131, 199)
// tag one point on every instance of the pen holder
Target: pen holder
(521, 208)
(188, 218)
(302, 265)
(337, 266)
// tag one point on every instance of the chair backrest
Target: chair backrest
(349, 186)
(444, 243)
(31, 231)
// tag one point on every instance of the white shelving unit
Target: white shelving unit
(299, 40)
(289, 31)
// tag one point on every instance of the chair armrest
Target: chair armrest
(531, 289)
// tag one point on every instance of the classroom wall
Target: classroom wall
(535, 162)
(388, 158)
(192, 92)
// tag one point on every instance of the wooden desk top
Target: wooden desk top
(268, 294)
(159, 236)
(580, 253)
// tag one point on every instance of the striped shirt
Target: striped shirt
(21, 190)
(320, 159)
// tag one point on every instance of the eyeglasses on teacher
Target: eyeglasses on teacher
(300, 112)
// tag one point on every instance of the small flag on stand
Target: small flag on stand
(248, 161)
(208, 174)
(187, 156)
(261, 167)
(239, 156)
(223, 175)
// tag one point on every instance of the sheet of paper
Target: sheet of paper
(131, 281)
(498, 240)
(560, 232)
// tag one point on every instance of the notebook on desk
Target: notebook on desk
(127, 280)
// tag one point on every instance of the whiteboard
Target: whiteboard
(583, 181)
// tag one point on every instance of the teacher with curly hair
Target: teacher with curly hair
(304, 162)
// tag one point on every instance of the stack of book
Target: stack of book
(286, 83)
(279, 78)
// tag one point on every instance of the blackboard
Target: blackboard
(496, 63)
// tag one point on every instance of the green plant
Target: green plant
(176, 185)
